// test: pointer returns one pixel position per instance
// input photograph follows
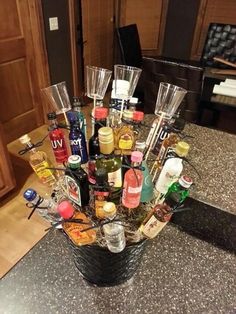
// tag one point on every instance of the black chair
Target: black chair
(129, 43)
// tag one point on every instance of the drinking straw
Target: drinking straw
(154, 135)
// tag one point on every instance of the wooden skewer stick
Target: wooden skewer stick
(154, 135)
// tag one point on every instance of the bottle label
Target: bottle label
(78, 147)
(41, 171)
(73, 190)
(115, 178)
(153, 227)
(134, 190)
(91, 171)
(60, 150)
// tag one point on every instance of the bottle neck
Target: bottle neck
(99, 123)
(31, 146)
(135, 164)
(53, 124)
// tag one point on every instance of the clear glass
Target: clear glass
(169, 98)
(97, 80)
(115, 236)
(125, 80)
(58, 98)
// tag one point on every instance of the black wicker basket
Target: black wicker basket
(101, 267)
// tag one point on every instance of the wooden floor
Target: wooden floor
(18, 234)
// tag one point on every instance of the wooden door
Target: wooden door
(20, 109)
(98, 32)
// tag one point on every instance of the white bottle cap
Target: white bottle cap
(185, 181)
(25, 139)
(74, 159)
(133, 100)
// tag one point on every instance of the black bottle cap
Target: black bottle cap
(101, 176)
(52, 115)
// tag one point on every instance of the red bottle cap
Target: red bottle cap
(65, 209)
(100, 113)
(138, 116)
(185, 181)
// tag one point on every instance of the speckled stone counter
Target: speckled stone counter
(213, 153)
(178, 274)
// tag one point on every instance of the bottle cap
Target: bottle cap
(65, 209)
(105, 135)
(101, 113)
(109, 209)
(74, 161)
(138, 116)
(30, 194)
(136, 156)
(101, 175)
(182, 149)
(140, 145)
(52, 115)
(128, 114)
(25, 139)
(133, 100)
(185, 181)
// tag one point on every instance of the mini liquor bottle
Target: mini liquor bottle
(124, 137)
(115, 236)
(133, 182)
(156, 220)
(76, 106)
(77, 181)
(101, 192)
(77, 139)
(178, 192)
(46, 208)
(94, 149)
(39, 161)
(148, 186)
(57, 139)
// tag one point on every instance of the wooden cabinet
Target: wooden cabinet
(7, 179)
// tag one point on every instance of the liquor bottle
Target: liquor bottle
(39, 161)
(133, 103)
(138, 117)
(106, 140)
(57, 139)
(163, 133)
(46, 208)
(148, 186)
(113, 166)
(133, 182)
(115, 236)
(156, 220)
(73, 230)
(77, 181)
(167, 145)
(181, 149)
(94, 149)
(169, 174)
(77, 140)
(76, 106)
(101, 192)
(178, 192)
(124, 136)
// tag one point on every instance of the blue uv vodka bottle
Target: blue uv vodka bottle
(77, 139)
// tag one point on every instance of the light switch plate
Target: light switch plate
(53, 23)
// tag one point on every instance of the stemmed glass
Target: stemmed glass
(97, 80)
(125, 82)
(58, 98)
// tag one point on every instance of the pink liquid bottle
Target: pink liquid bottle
(57, 139)
(133, 182)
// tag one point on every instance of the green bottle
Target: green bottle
(178, 192)
(147, 187)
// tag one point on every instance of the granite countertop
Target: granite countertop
(213, 153)
(178, 274)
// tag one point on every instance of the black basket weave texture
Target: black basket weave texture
(101, 267)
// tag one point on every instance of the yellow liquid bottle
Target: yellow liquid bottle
(39, 162)
(125, 138)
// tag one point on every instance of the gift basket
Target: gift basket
(117, 188)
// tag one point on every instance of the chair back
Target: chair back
(129, 43)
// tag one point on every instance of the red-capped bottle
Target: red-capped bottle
(57, 139)
(133, 182)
